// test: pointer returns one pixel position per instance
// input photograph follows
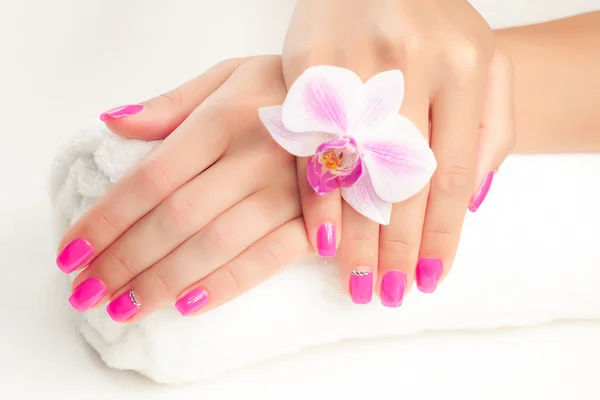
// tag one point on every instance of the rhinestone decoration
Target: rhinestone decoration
(134, 300)
(361, 272)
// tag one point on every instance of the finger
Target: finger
(158, 117)
(322, 214)
(152, 180)
(182, 214)
(456, 115)
(201, 139)
(265, 259)
(357, 255)
(202, 254)
(497, 131)
(399, 242)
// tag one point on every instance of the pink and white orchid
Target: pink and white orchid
(355, 138)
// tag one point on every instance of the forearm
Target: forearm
(557, 84)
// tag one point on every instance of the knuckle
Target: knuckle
(274, 254)
(160, 284)
(440, 232)
(123, 264)
(453, 178)
(151, 176)
(218, 241)
(181, 212)
(233, 287)
(359, 240)
(410, 46)
(109, 222)
(361, 247)
(466, 61)
(399, 246)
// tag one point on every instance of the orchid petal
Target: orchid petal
(321, 180)
(321, 99)
(300, 144)
(398, 159)
(352, 177)
(362, 197)
(335, 142)
(382, 97)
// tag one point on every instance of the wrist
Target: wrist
(556, 88)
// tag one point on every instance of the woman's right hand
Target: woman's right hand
(211, 212)
(454, 93)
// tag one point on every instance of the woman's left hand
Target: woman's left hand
(208, 214)
(455, 78)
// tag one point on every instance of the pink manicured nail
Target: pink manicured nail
(326, 240)
(87, 294)
(123, 307)
(192, 301)
(429, 270)
(392, 288)
(361, 285)
(122, 111)
(74, 255)
(478, 198)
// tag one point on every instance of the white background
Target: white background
(64, 61)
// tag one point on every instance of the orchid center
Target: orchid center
(339, 161)
(331, 159)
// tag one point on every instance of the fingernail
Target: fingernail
(192, 301)
(87, 294)
(123, 307)
(122, 111)
(478, 197)
(361, 285)
(429, 270)
(326, 240)
(392, 288)
(74, 255)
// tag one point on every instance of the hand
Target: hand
(458, 93)
(210, 213)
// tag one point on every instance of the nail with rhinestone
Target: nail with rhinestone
(361, 285)
(124, 307)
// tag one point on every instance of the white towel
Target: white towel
(530, 255)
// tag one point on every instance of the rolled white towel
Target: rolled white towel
(530, 255)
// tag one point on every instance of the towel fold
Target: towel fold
(531, 254)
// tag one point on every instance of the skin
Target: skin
(450, 61)
(233, 204)
(171, 226)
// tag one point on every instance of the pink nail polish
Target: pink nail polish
(361, 285)
(123, 307)
(74, 255)
(192, 301)
(122, 111)
(87, 294)
(392, 288)
(429, 271)
(326, 240)
(478, 197)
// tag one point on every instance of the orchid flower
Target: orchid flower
(355, 137)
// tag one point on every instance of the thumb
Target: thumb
(497, 129)
(158, 117)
